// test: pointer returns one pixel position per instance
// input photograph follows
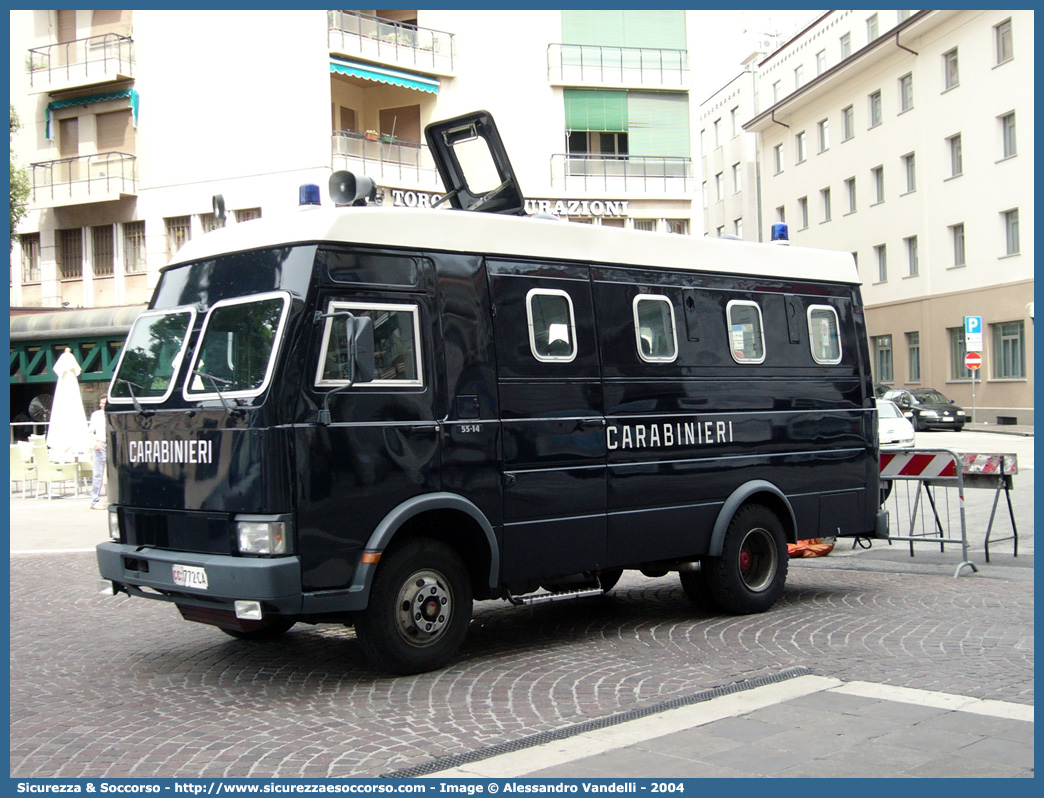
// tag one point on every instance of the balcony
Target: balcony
(407, 164)
(617, 174)
(88, 178)
(594, 65)
(82, 62)
(361, 35)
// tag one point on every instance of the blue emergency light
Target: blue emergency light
(308, 194)
(780, 233)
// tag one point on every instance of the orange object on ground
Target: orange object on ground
(813, 547)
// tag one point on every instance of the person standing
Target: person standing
(97, 429)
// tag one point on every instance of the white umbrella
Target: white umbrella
(68, 434)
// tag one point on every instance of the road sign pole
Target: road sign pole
(975, 379)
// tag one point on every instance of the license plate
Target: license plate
(190, 576)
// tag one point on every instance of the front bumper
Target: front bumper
(148, 572)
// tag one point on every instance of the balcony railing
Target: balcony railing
(82, 61)
(622, 173)
(579, 64)
(87, 178)
(358, 33)
(388, 158)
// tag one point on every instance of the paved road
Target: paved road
(118, 687)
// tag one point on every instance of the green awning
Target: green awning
(384, 75)
(596, 111)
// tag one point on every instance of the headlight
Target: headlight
(262, 536)
(960, 412)
(114, 526)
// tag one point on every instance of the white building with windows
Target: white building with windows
(906, 138)
(134, 120)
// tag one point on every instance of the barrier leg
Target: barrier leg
(1011, 514)
(935, 513)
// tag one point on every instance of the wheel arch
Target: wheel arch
(448, 517)
(758, 491)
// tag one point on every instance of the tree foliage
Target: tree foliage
(19, 183)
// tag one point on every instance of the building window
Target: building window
(850, 190)
(951, 76)
(881, 253)
(720, 230)
(103, 254)
(821, 62)
(799, 76)
(846, 46)
(1008, 135)
(719, 186)
(910, 167)
(703, 193)
(958, 349)
(736, 178)
(781, 214)
(645, 225)
(734, 117)
(703, 141)
(30, 257)
(134, 247)
(855, 260)
(247, 214)
(957, 236)
(904, 15)
(1005, 52)
(776, 91)
(677, 226)
(737, 227)
(799, 146)
(70, 254)
(878, 175)
(883, 358)
(717, 133)
(905, 93)
(1011, 232)
(1009, 351)
(848, 122)
(913, 356)
(875, 108)
(911, 256)
(825, 196)
(871, 28)
(208, 222)
(824, 135)
(178, 233)
(956, 156)
(777, 157)
(803, 210)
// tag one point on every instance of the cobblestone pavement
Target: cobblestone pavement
(119, 687)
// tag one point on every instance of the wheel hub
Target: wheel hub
(425, 607)
(758, 561)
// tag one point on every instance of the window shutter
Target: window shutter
(110, 21)
(598, 111)
(115, 132)
(658, 124)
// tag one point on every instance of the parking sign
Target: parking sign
(973, 333)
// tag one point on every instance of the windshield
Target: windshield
(150, 358)
(931, 397)
(237, 347)
(888, 410)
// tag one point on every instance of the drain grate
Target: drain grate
(447, 762)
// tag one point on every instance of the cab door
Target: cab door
(553, 420)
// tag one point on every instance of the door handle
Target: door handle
(587, 423)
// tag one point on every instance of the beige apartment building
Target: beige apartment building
(906, 138)
(134, 120)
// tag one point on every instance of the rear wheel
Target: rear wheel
(752, 569)
(269, 631)
(419, 608)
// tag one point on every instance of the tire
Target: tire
(609, 577)
(419, 609)
(958, 429)
(270, 631)
(749, 575)
(694, 583)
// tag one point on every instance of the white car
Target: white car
(893, 430)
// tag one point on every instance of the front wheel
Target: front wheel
(419, 609)
(752, 569)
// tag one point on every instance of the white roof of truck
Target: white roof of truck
(524, 237)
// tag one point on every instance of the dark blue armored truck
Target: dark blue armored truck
(375, 416)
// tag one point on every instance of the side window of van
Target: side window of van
(746, 332)
(654, 329)
(552, 327)
(396, 344)
(824, 334)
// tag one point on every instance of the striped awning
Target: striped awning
(392, 77)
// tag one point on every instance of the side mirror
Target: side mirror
(360, 335)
